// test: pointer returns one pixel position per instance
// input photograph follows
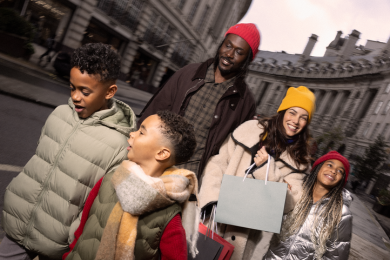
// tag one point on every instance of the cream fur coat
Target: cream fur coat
(234, 158)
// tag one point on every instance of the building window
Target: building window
(127, 13)
(378, 107)
(203, 21)
(159, 32)
(386, 108)
(373, 134)
(181, 4)
(387, 90)
(182, 52)
(194, 8)
(385, 129)
(366, 130)
(264, 86)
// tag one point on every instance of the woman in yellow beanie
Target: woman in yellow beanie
(284, 136)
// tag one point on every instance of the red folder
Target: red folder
(228, 248)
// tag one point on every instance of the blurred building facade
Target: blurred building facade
(351, 83)
(154, 37)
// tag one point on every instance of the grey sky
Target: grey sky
(287, 24)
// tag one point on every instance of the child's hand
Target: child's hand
(261, 156)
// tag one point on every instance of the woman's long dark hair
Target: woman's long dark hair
(275, 140)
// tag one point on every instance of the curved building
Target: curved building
(351, 84)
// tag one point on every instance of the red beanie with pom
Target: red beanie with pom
(249, 32)
(334, 155)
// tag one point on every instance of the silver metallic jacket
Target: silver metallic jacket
(300, 246)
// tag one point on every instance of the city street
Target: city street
(27, 97)
(20, 129)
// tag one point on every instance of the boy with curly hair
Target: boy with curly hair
(79, 143)
(139, 211)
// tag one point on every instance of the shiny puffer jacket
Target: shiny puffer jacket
(300, 246)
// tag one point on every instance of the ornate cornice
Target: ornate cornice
(346, 69)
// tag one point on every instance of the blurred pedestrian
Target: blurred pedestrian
(354, 185)
(50, 43)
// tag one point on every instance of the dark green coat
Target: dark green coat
(149, 229)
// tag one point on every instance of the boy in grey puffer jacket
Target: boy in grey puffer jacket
(79, 143)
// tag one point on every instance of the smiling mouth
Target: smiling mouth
(329, 177)
(292, 128)
(226, 61)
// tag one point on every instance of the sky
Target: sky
(286, 25)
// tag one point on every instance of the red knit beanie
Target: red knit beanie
(249, 32)
(334, 155)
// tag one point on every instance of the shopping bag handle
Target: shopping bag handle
(253, 165)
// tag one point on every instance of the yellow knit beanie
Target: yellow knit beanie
(299, 97)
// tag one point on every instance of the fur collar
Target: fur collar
(248, 134)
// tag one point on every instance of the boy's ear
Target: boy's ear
(163, 155)
(111, 91)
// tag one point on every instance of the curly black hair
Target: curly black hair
(97, 59)
(180, 133)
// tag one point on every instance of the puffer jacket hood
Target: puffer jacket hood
(43, 204)
(300, 246)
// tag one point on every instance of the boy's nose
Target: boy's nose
(75, 96)
(131, 135)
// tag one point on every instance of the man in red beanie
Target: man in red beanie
(212, 95)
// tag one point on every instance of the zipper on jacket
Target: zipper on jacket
(45, 184)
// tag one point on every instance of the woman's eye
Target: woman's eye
(86, 94)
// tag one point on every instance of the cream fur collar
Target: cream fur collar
(248, 135)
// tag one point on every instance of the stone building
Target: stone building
(351, 83)
(154, 37)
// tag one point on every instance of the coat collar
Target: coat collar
(248, 135)
(118, 116)
(201, 72)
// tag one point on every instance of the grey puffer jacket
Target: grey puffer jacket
(43, 204)
(300, 246)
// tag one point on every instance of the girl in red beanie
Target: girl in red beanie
(320, 226)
